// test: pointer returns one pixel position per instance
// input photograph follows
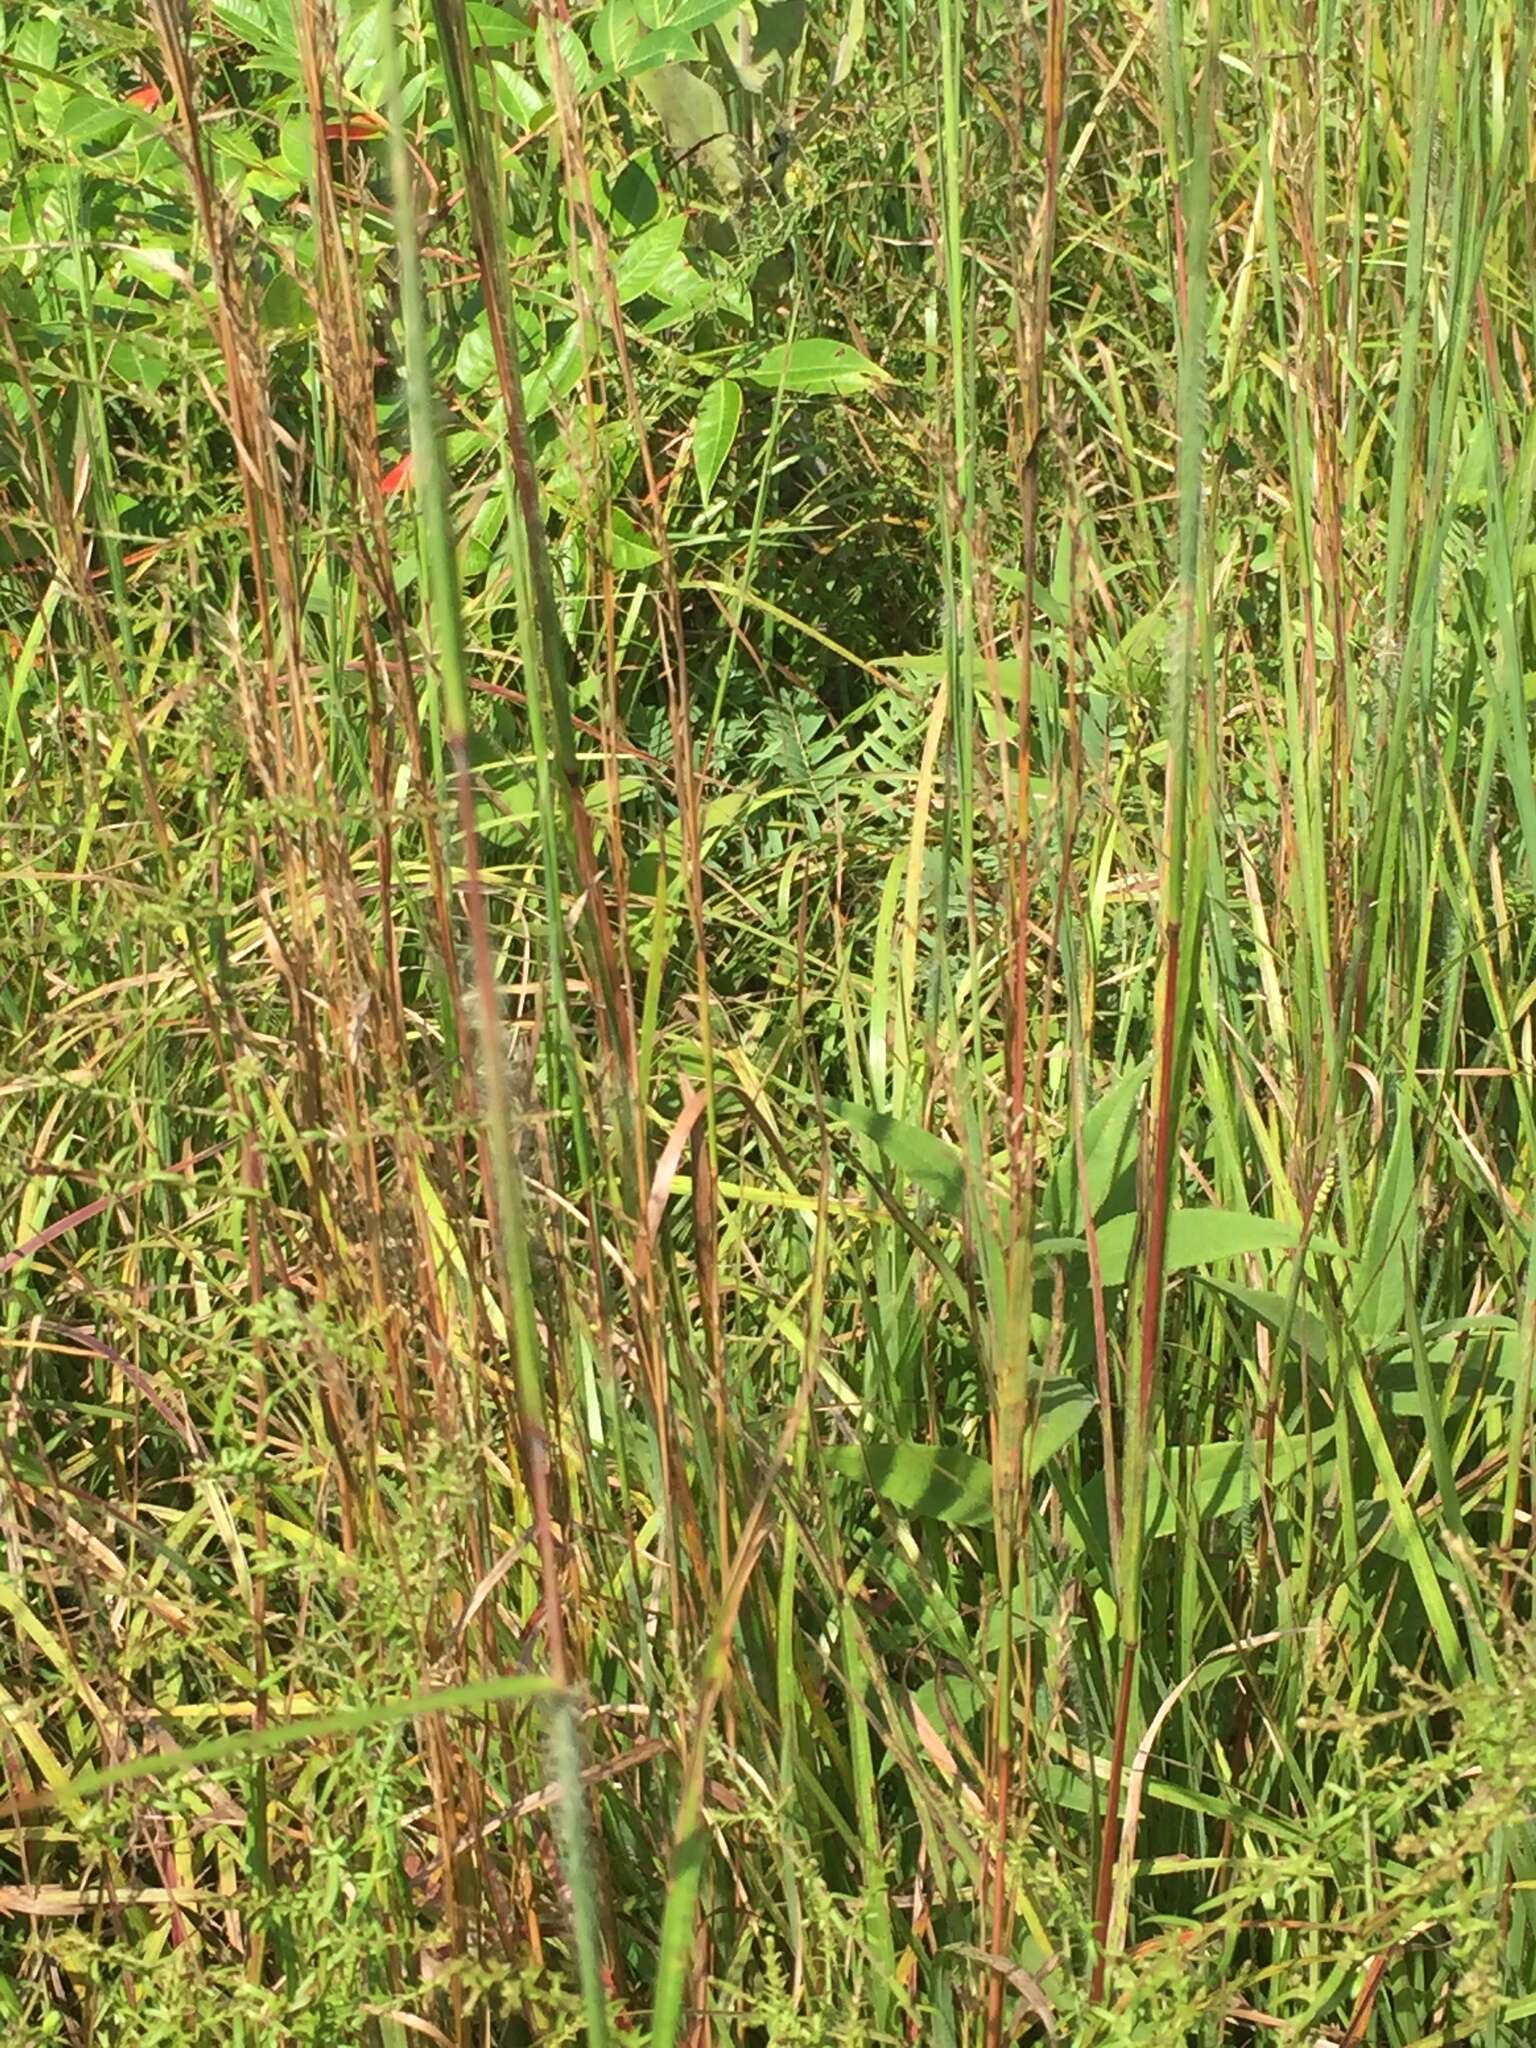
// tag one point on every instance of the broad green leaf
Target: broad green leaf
(1217, 1479)
(1063, 1408)
(714, 429)
(296, 146)
(516, 94)
(936, 1167)
(1308, 1334)
(558, 374)
(653, 265)
(817, 368)
(285, 305)
(504, 815)
(950, 1485)
(936, 1481)
(633, 197)
(1391, 1236)
(36, 43)
(155, 268)
(1109, 1147)
(484, 533)
(139, 362)
(689, 15)
(267, 24)
(1196, 1237)
(362, 49)
(848, 42)
(961, 1698)
(247, 18)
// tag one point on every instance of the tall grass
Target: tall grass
(771, 879)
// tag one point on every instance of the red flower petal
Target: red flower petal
(355, 128)
(145, 96)
(397, 478)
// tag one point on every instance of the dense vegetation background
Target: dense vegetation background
(766, 1239)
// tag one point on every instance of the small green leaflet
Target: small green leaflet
(87, 119)
(475, 362)
(624, 545)
(653, 264)
(817, 368)
(548, 38)
(695, 14)
(714, 429)
(35, 46)
(494, 27)
(615, 32)
(661, 46)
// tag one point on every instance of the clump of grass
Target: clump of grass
(768, 1145)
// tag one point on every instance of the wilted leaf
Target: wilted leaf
(693, 115)
(779, 26)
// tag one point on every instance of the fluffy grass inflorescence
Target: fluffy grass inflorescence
(766, 1140)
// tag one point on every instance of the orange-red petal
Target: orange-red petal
(360, 127)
